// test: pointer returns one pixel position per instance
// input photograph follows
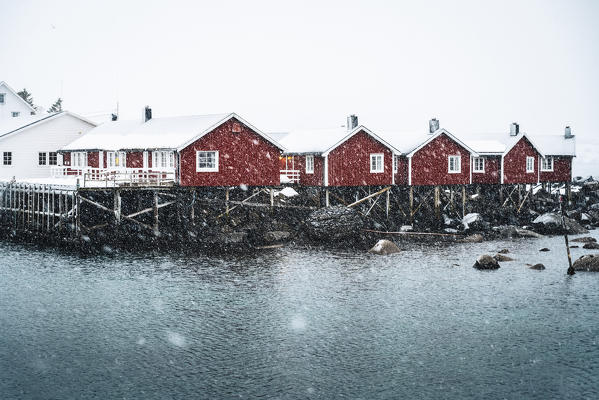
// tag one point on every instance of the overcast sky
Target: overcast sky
(475, 65)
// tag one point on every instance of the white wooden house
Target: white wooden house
(29, 144)
(12, 105)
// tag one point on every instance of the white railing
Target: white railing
(95, 177)
(290, 176)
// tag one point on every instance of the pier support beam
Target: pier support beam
(155, 228)
(117, 206)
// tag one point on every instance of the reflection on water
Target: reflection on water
(298, 323)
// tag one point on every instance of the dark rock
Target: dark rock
(486, 262)
(544, 249)
(276, 236)
(334, 223)
(474, 222)
(551, 223)
(538, 267)
(527, 233)
(508, 231)
(503, 251)
(476, 238)
(587, 263)
(574, 247)
(502, 257)
(384, 247)
(591, 245)
(584, 239)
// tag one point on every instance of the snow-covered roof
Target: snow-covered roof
(14, 125)
(6, 85)
(157, 133)
(312, 140)
(486, 147)
(555, 145)
(410, 143)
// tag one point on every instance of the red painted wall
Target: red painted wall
(514, 163)
(314, 179)
(492, 174)
(562, 170)
(135, 159)
(244, 158)
(401, 176)
(349, 164)
(430, 163)
(93, 158)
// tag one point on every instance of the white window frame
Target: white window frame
(474, 166)
(309, 164)
(206, 169)
(5, 157)
(376, 169)
(45, 156)
(531, 161)
(79, 159)
(163, 160)
(145, 160)
(458, 162)
(111, 159)
(48, 157)
(15, 114)
(122, 159)
(544, 166)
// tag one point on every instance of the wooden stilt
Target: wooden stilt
(272, 199)
(437, 201)
(412, 205)
(192, 215)
(388, 203)
(326, 198)
(117, 205)
(156, 219)
(227, 201)
(463, 200)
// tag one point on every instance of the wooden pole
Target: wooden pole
(326, 198)
(156, 220)
(412, 205)
(563, 210)
(388, 203)
(227, 201)
(117, 205)
(192, 215)
(355, 203)
(272, 199)
(463, 200)
(437, 202)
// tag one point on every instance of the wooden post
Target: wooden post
(227, 201)
(501, 194)
(388, 203)
(78, 211)
(569, 192)
(156, 228)
(192, 213)
(60, 209)
(117, 205)
(437, 202)
(463, 200)
(326, 198)
(412, 205)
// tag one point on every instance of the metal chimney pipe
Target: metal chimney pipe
(568, 133)
(147, 114)
(514, 129)
(433, 126)
(352, 122)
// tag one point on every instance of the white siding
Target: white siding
(47, 136)
(12, 103)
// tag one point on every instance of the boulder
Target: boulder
(384, 247)
(276, 236)
(584, 239)
(507, 231)
(474, 222)
(528, 233)
(587, 263)
(544, 249)
(502, 257)
(551, 223)
(591, 246)
(503, 251)
(486, 262)
(334, 223)
(476, 238)
(538, 267)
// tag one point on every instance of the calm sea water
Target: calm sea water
(297, 324)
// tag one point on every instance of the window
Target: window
(42, 159)
(15, 113)
(206, 161)
(547, 163)
(52, 158)
(163, 159)
(454, 164)
(2, 96)
(7, 158)
(110, 159)
(479, 164)
(309, 164)
(78, 159)
(376, 163)
(530, 164)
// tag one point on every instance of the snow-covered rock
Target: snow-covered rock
(287, 192)
(587, 263)
(486, 262)
(474, 221)
(551, 223)
(384, 247)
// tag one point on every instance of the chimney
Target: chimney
(514, 129)
(352, 122)
(433, 126)
(147, 114)
(114, 117)
(568, 133)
